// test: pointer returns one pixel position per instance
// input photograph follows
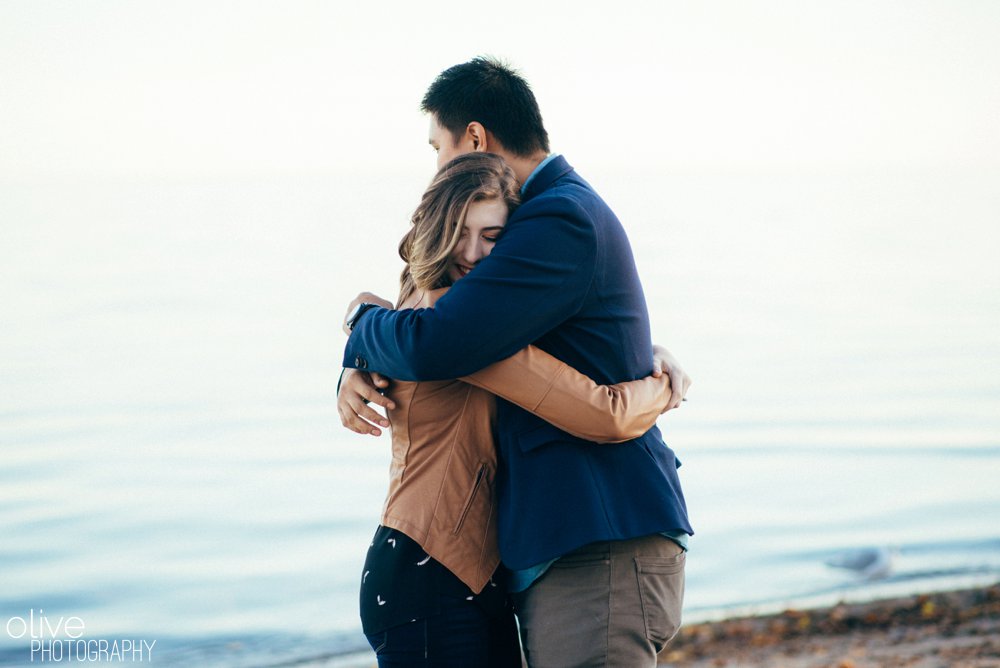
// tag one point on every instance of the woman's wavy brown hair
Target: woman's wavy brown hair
(437, 223)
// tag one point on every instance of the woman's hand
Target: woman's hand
(665, 363)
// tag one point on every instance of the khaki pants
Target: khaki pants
(611, 603)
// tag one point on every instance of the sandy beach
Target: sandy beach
(959, 629)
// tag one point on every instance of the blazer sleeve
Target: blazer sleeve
(559, 394)
(537, 277)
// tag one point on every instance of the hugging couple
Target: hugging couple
(528, 476)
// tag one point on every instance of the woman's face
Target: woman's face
(483, 223)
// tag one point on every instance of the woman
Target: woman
(430, 590)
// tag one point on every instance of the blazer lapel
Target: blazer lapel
(555, 170)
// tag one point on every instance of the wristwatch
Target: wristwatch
(356, 313)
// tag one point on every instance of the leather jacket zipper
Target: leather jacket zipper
(480, 477)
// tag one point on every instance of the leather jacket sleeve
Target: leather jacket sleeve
(556, 392)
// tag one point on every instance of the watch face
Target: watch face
(355, 314)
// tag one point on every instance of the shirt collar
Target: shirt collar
(537, 171)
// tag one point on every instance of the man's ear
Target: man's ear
(476, 134)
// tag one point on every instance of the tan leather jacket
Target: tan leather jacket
(441, 491)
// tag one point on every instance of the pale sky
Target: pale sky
(228, 87)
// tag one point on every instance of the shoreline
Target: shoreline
(944, 629)
(951, 629)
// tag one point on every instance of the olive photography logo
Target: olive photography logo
(62, 639)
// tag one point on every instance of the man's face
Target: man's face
(442, 141)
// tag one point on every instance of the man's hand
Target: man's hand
(665, 363)
(358, 389)
(364, 298)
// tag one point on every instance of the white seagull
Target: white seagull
(871, 563)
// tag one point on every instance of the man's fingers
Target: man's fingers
(356, 392)
(361, 383)
(366, 412)
(352, 421)
(373, 396)
(359, 418)
(380, 381)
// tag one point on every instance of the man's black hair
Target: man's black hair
(489, 92)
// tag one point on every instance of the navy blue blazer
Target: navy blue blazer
(561, 276)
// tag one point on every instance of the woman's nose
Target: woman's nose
(473, 252)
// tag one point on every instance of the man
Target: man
(594, 536)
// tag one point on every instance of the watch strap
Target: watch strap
(358, 312)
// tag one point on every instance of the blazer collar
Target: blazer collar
(556, 169)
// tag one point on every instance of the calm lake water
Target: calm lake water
(172, 466)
